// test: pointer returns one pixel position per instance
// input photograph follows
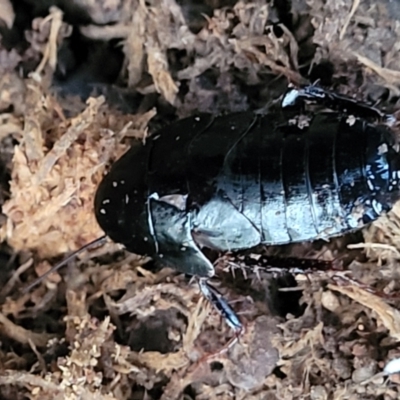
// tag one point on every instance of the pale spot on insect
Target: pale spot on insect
(197, 119)
(351, 120)
(115, 183)
(126, 199)
(122, 182)
(377, 206)
(370, 185)
(290, 98)
(102, 211)
(177, 138)
(382, 149)
(106, 201)
(303, 121)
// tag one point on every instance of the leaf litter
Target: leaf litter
(112, 327)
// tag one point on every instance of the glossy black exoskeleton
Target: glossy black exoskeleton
(236, 181)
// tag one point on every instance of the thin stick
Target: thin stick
(354, 7)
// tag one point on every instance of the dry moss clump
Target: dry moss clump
(114, 325)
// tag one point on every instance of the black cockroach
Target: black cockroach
(236, 181)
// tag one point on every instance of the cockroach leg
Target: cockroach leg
(317, 95)
(229, 315)
(221, 305)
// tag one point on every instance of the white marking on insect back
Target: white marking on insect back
(103, 211)
(105, 201)
(126, 199)
(197, 119)
(122, 182)
(115, 184)
(351, 120)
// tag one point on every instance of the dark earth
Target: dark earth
(81, 81)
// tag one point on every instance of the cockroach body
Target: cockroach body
(236, 181)
(233, 182)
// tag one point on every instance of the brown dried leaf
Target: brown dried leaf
(161, 362)
(27, 380)
(304, 343)
(385, 232)
(50, 209)
(22, 335)
(10, 125)
(158, 69)
(107, 32)
(7, 13)
(77, 127)
(12, 93)
(134, 45)
(106, 11)
(50, 50)
(389, 75)
(253, 358)
(389, 316)
(79, 375)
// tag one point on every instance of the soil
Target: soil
(80, 82)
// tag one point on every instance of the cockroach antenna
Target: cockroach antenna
(93, 243)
